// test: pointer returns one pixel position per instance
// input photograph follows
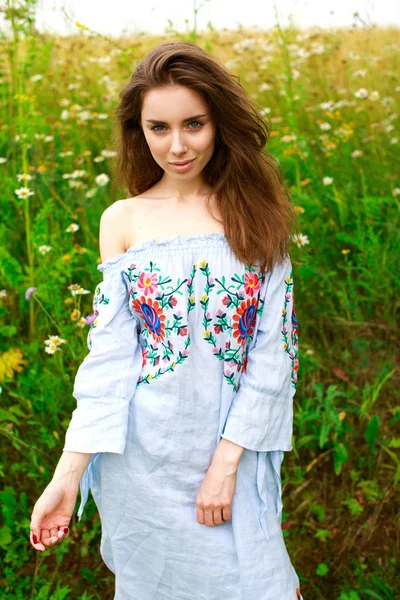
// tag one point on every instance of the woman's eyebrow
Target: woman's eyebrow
(184, 120)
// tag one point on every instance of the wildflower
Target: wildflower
(66, 153)
(29, 291)
(82, 322)
(91, 193)
(326, 105)
(327, 180)
(357, 153)
(102, 179)
(102, 116)
(394, 140)
(108, 153)
(76, 184)
(72, 228)
(299, 209)
(3, 293)
(374, 95)
(49, 138)
(345, 251)
(37, 77)
(288, 138)
(75, 314)
(44, 249)
(41, 169)
(24, 192)
(90, 318)
(77, 289)
(98, 159)
(396, 192)
(53, 344)
(300, 240)
(24, 176)
(325, 126)
(361, 93)
(3, 160)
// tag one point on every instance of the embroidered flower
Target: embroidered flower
(147, 283)
(153, 316)
(244, 321)
(251, 284)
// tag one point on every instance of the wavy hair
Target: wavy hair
(247, 181)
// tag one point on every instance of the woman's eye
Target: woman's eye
(198, 123)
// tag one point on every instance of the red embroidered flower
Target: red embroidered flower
(153, 316)
(251, 283)
(244, 320)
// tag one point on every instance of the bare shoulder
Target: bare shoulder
(111, 231)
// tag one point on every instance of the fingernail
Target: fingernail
(35, 540)
(60, 535)
(65, 529)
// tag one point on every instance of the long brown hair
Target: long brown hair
(247, 181)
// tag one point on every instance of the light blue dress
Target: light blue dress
(189, 344)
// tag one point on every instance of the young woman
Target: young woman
(185, 399)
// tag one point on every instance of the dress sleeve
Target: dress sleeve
(106, 379)
(261, 413)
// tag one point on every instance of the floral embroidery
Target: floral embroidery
(98, 298)
(237, 317)
(292, 347)
(154, 298)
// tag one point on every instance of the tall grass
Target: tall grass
(332, 98)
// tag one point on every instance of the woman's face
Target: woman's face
(171, 132)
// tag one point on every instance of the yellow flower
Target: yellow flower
(41, 169)
(81, 25)
(204, 298)
(68, 301)
(66, 258)
(75, 314)
(342, 415)
(207, 334)
(11, 362)
(305, 181)
(345, 251)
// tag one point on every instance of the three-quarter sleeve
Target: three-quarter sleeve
(106, 379)
(261, 413)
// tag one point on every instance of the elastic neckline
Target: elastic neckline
(173, 241)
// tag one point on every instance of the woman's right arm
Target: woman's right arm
(52, 512)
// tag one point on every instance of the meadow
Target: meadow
(332, 98)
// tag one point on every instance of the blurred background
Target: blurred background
(327, 80)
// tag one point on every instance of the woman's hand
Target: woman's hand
(215, 496)
(52, 513)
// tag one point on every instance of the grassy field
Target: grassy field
(332, 99)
